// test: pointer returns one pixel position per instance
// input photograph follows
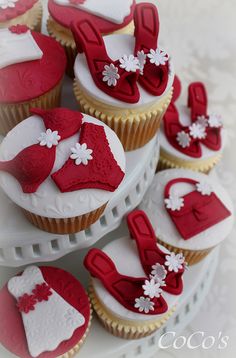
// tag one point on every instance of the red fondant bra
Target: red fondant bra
(197, 102)
(126, 289)
(154, 78)
(33, 165)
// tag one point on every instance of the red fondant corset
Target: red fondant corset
(201, 210)
(130, 291)
(197, 102)
(123, 82)
(33, 165)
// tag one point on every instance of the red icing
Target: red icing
(12, 335)
(89, 40)
(142, 232)
(65, 15)
(21, 6)
(34, 164)
(199, 211)
(197, 100)
(28, 80)
(177, 89)
(76, 2)
(146, 20)
(18, 29)
(123, 288)
(101, 172)
(26, 303)
(42, 292)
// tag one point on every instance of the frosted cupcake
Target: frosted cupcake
(32, 67)
(45, 312)
(21, 12)
(136, 284)
(109, 17)
(61, 167)
(190, 137)
(191, 212)
(124, 80)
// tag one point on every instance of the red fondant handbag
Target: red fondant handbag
(199, 211)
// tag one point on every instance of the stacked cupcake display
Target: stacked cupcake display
(73, 175)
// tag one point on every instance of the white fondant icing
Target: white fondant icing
(115, 11)
(51, 322)
(17, 48)
(116, 46)
(4, 4)
(48, 200)
(124, 254)
(153, 205)
(184, 117)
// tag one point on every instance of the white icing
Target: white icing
(184, 117)
(51, 322)
(17, 48)
(116, 46)
(124, 254)
(153, 205)
(115, 12)
(48, 200)
(4, 4)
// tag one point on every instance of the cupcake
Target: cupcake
(61, 167)
(191, 138)
(124, 80)
(109, 17)
(136, 284)
(45, 312)
(31, 73)
(21, 12)
(191, 212)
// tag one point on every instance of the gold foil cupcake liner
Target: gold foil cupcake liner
(192, 257)
(73, 351)
(202, 165)
(64, 36)
(122, 328)
(134, 127)
(32, 18)
(67, 225)
(12, 114)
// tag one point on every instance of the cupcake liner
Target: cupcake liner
(167, 161)
(125, 329)
(192, 257)
(65, 38)
(134, 127)
(32, 18)
(73, 351)
(12, 114)
(67, 225)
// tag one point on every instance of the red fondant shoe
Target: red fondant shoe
(124, 289)
(176, 89)
(107, 74)
(154, 62)
(150, 254)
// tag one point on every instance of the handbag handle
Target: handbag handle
(176, 181)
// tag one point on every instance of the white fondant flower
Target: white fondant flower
(73, 319)
(142, 57)
(111, 75)
(81, 154)
(49, 138)
(197, 131)
(129, 63)
(202, 120)
(159, 273)
(215, 121)
(152, 288)
(204, 188)
(174, 203)
(158, 57)
(144, 304)
(183, 139)
(174, 262)
(4, 4)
